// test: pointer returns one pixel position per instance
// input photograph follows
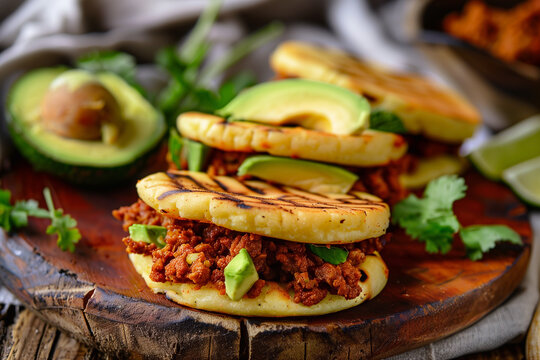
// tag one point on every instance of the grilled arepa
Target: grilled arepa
(370, 148)
(253, 249)
(274, 301)
(260, 208)
(425, 108)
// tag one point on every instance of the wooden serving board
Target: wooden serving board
(96, 295)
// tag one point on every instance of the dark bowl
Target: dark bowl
(516, 78)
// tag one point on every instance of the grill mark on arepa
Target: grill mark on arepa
(220, 184)
(176, 176)
(287, 199)
(255, 189)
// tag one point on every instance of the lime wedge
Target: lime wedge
(512, 146)
(524, 179)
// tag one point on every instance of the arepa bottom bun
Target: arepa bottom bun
(274, 300)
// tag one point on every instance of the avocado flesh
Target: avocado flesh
(307, 103)
(142, 125)
(197, 154)
(302, 174)
(431, 168)
(151, 234)
(240, 275)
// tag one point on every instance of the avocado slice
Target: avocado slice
(431, 168)
(197, 155)
(151, 234)
(93, 162)
(307, 103)
(306, 175)
(240, 275)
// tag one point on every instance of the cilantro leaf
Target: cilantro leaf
(443, 191)
(192, 76)
(431, 219)
(479, 239)
(333, 255)
(62, 225)
(386, 121)
(5, 217)
(17, 216)
(176, 144)
(5, 197)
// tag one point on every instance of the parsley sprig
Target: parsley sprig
(431, 220)
(16, 216)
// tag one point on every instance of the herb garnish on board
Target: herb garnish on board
(431, 220)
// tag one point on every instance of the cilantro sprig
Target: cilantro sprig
(191, 74)
(386, 121)
(16, 216)
(333, 254)
(431, 220)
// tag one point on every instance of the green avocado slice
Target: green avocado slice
(306, 175)
(197, 155)
(307, 103)
(83, 161)
(151, 234)
(240, 275)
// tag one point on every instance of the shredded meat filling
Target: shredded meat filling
(198, 253)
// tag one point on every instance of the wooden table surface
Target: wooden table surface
(24, 336)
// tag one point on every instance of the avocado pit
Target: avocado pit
(76, 106)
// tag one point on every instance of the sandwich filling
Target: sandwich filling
(381, 181)
(197, 253)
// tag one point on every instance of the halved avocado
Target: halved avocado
(307, 103)
(307, 175)
(96, 161)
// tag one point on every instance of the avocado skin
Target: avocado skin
(93, 176)
(77, 174)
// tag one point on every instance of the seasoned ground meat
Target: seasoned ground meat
(420, 146)
(197, 253)
(382, 181)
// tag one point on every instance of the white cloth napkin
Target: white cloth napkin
(45, 32)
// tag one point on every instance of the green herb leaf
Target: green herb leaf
(197, 37)
(333, 255)
(240, 50)
(23, 209)
(386, 121)
(5, 197)
(443, 191)
(176, 144)
(479, 239)
(5, 217)
(119, 63)
(431, 219)
(62, 225)
(17, 216)
(189, 87)
(233, 86)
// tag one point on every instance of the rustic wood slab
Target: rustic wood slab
(96, 295)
